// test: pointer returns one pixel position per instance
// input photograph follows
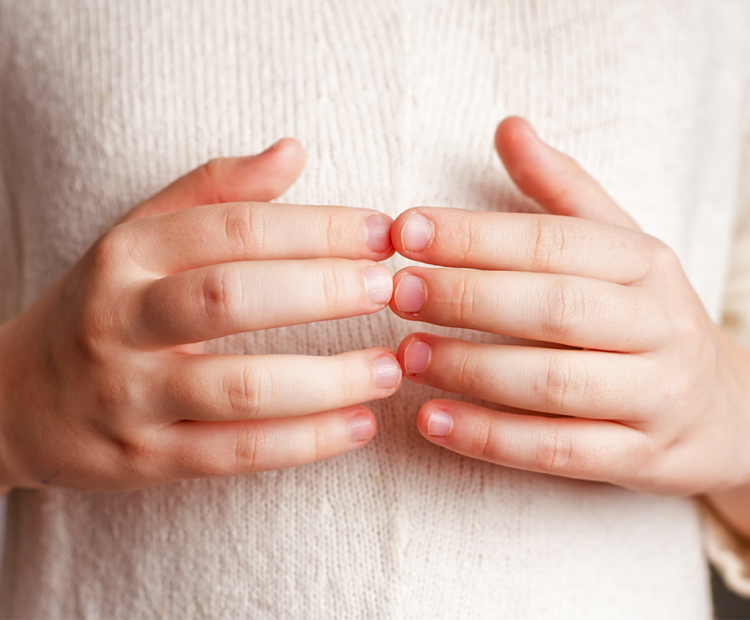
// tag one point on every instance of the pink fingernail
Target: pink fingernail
(387, 372)
(360, 428)
(410, 294)
(416, 233)
(416, 357)
(378, 233)
(439, 424)
(379, 284)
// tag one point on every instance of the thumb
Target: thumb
(553, 179)
(257, 178)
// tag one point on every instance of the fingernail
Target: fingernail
(378, 233)
(416, 357)
(379, 285)
(409, 295)
(387, 372)
(360, 428)
(439, 424)
(416, 233)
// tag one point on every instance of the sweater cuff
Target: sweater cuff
(726, 550)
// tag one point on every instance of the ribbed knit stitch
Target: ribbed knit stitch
(104, 102)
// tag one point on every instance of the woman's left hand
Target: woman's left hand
(648, 393)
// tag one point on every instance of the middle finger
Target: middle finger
(567, 310)
(220, 300)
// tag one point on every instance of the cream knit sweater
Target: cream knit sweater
(103, 102)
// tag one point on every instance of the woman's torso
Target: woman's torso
(102, 103)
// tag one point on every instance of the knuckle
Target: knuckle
(322, 441)
(554, 450)
(223, 294)
(108, 252)
(565, 386)
(212, 169)
(463, 301)
(251, 449)
(686, 326)
(663, 257)
(565, 309)
(341, 381)
(140, 453)
(468, 234)
(332, 285)
(97, 328)
(250, 396)
(212, 172)
(549, 244)
(91, 333)
(482, 444)
(334, 233)
(466, 371)
(244, 229)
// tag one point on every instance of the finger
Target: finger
(589, 384)
(261, 178)
(207, 449)
(211, 302)
(216, 234)
(570, 447)
(567, 310)
(524, 242)
(237, 387)
(553, 179)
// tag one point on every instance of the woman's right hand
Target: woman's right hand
(104, 384)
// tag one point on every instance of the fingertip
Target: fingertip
(397, 229)
(291, 150)
(413, 232)
(378, 234)
(378, 284)
(387, 372)
(436, 421)
(362, 425)
(513, 136)
(273, 171)
(414, 354)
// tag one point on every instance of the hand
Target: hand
(104, 384)
(648, 393)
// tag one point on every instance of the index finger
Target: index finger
(241, 231)
(523, 242)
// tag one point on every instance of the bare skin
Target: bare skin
(105, 384)
(648, 393)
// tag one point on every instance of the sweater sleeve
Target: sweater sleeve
(725, 549)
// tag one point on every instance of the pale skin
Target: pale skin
(647, 392)
(104, 385)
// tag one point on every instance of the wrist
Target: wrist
(732, 503)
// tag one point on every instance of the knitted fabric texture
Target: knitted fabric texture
(103, 102)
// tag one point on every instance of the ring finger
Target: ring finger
(589, 384)
(220, 300)
(567, 310)
(220, 388)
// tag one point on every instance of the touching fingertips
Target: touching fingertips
(416, 233)
(387, 372)
(378, 233)
(416, 357)
(379, 284)
(361, 428)
(439, 423)
(410, 294)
